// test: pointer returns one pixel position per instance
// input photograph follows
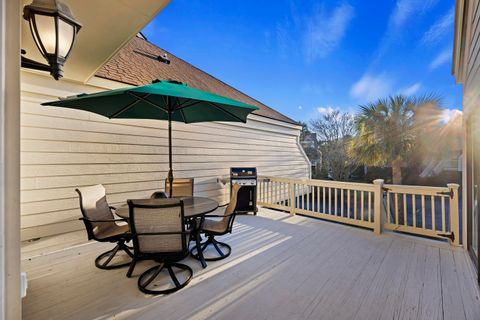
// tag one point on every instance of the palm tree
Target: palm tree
(386, 131)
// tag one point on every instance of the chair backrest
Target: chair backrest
(158, 195)
(94, 206)
(227, 221)
(182, 187)
(158, 226)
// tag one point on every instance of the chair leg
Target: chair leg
(203, 246)
(131, 268)
(149, 276)
(103, 260)
(218, 247)
(126, 249)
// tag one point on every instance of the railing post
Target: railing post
(454, 212)
(291, 197)
(377, 206)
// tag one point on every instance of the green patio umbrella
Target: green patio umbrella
(162, 100)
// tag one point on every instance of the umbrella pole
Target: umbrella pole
(170, 171)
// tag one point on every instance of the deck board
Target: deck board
(281, 267)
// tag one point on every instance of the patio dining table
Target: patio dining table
(194, 208)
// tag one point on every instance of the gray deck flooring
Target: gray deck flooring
(281, 267)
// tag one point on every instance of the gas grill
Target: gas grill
(247, 195)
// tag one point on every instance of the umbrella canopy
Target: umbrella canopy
(161, 100)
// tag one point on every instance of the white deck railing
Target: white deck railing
(427, 211)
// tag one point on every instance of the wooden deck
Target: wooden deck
(281, 267)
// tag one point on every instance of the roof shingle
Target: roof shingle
(136, 64)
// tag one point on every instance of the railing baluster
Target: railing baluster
(389, 213)
(341, 203)
(355, 204)
(423, 211)
(318, 199)
(362, 211)
(323, 203)
(444, 227)
(397, 221)
(348, 203)
(405, 213)
(329, 200)
(432, 199)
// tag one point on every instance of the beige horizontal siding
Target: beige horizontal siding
(62, 149)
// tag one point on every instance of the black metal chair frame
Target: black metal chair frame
(166, 260)
(104, 259)
(210, 234)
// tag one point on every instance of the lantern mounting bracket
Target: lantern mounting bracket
(32, 64)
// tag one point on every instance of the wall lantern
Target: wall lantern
(54, 30)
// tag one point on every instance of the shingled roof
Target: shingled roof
(136, 64)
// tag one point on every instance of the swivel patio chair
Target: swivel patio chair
(101, 226)
(182, 187)
(212, 228)
(158, 232)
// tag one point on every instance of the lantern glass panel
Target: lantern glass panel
(66, 33)
(46, 32)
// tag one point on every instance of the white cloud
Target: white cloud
(443, 57)
(371, 87)
(325, 109)
(406, 9)
(324, 31)
(439, 28)
(300, 107)
(411, 90)
(449, 114)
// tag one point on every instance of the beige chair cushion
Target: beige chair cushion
(95, 207)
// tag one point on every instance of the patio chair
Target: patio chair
(158, 195)
(212, 228)
(158, 232)
(182, 187)
(101, 226)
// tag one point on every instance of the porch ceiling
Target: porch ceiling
(107, 26)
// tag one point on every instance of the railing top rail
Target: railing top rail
(324, 183)
(422, 190)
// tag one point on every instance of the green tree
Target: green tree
(387, 131)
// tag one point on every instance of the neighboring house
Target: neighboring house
(63, 148)
(466, 69)
(310, 140)
(310, 145)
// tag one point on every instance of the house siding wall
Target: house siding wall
(471, 96)
(62, 149)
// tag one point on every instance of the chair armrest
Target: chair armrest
(104, 220)
(219, 215)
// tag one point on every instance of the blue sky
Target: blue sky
(306, 57)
